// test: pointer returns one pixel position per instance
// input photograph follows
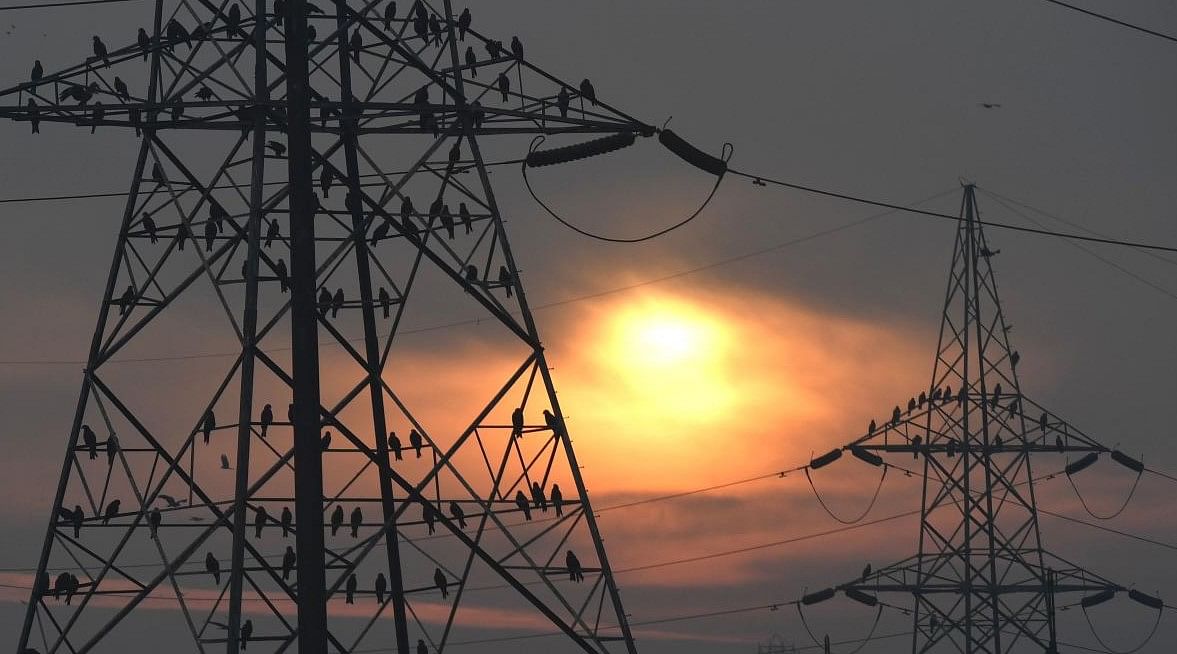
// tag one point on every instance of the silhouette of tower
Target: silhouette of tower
(312, 183)
(981, 580)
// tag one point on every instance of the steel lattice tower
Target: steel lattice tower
(302, 171)
(982, 581)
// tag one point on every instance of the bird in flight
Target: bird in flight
(989, 105)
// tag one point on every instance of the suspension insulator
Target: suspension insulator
(861, 597)
(825, 459)
(1085, 462)
(1127, 461)
(1147, 600)
(866, 455)
(576, 151)
(819, 596)
(1098, 598)
(691, 154)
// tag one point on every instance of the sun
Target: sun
(672, 357)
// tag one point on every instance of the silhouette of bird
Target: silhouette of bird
(494, 48)
(557, 499)
(112, 449)
(441, 582)
(1058, 443)
(458, 514)
(154, 520)
(987, 253)
(866, 571)
(213, 566)
(575, 571)
(177, 33)
(288, 561)
(121, 90)
(225, 463)
(421, 647)
(277, 148)
(352, 582)
(435, 28)
(517, 422)
(112, 510)
(325, 442)
(523, 504)
(464, 20)
(144, 42)
(96, 116)
(989, 105)
(100, 51)
(287, 521)
(91, 441)
(357, 45)
(951, 448)
(553, 423)
(429, 516)
(447, 220)
(324, 302)
(34, 121)
(246, 633)
(997, 444)
(208, 424)
(505, 280)
(336, 519)
(416, 441)
(272, 232)
(172, 502)
(394, 444)
(325, 178)
(38, 71)
(267, 418)
(870, 429)
(504, 84)
(996, 395)
(916, 441)
(357, 520)
(76, 519)
(389, 15)
(1014, 358)
(537, 496)
(260, 518)
(282, 275)
(337, 302)
(472, 61)
(233, 19)
(562, 101)
(517, 47)
(381, 586)
(587, 91)
(421, 27)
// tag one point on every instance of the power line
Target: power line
(67, 3)
(1115, 21)
(946, 216)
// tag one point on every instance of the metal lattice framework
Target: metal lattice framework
(981, 580)
(302, 171)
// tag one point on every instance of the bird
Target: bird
(870, 429)
(77, 516)
(553, 423)
(177, 33)
(357, 45)
(421, 647)
(272, 232)
(204, 93)
(866, 571)
(987, 253)
(287, 521)
(267, 418)
(989, 105)
(91, 441)
(213, 566)
(416, 441)
(324, 302)
(288, 561)
(112, 511)
(34, 121)
(121, 90)
(537, 496)
(233, 19)
(277, 148)
(352, 582)
(208, 424)
(381, 586)
(172, 502)
(517, 422)
(260, 518)
(357, 520)
(337, 301)
(587, 91)
(505, 278)
(557, 499)
(523, 504)
(458, 514)
(517, 47)
(38, 71)
(389, 15)
(504, 84)
(336, 519)
(435, 28)
(1058, 443)
(100, 51)
(562, 101)
(98, 113)
(464, 20)
(428, 516)
(282, 275)
(144, 42)
(394, 444)
(325, 442)
(441, 582)
(246, 633)
(154, 520)
(472, 61)
(112, 449)
(225, 462)
(575, 571)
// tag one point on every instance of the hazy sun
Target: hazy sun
(672, 357)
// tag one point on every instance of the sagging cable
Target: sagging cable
(862, 642)
(1122, 459)
(689, 153)
(846, 521)
(1146, 600)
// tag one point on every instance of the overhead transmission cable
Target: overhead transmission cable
(1115, 21)
(64, 3)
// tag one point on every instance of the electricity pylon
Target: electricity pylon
(312, 173)
(981, 580)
